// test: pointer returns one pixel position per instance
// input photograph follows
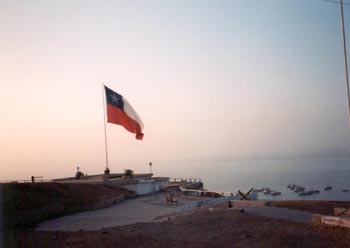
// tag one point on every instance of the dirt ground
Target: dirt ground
(207, 227)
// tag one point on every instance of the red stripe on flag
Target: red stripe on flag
(117, 116)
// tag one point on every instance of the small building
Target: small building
(140, 184)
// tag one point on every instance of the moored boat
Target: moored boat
(274, 193)
(328, 187)
(306, 192)
(267, 191)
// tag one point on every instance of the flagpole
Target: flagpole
(104, 122)
(345, 59)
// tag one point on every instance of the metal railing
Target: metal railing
(186, 180)
(200, 192)
(26, 181)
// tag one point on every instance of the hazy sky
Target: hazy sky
(238, 79)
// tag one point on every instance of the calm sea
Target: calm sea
(275, 174)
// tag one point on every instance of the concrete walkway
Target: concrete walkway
(141, 209)
(280, 213)
(147, 208)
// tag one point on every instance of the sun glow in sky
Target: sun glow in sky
(210, 79)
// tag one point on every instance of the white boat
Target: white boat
(306, 192)
(328, 187)
(267, 191)
(274, 193)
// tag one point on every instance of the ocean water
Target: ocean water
(230, 176)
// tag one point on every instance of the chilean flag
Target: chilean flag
(120, 112)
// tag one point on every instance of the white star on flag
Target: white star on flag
(115, 98)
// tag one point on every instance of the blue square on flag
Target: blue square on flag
(114, 98)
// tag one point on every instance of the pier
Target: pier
(193, 187)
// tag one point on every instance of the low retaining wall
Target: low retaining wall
(238, 203)
(207, 202)
(318, 219)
